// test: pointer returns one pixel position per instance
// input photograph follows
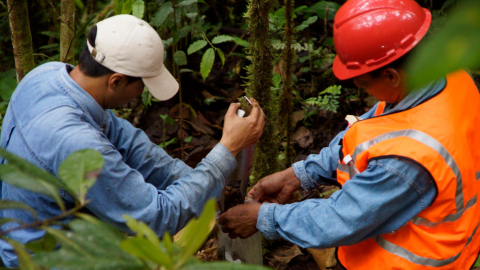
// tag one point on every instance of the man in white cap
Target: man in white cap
(58, 109)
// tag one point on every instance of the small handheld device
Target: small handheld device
(247, 109)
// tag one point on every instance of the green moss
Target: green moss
(259, 81)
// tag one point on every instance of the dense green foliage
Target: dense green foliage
(85, 241)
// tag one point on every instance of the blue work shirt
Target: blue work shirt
(50, 116)
(379, 200)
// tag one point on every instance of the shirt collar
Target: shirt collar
(88, 104)
(416, 97)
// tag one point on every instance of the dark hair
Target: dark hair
(89, 66)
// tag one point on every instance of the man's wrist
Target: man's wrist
(230, 147)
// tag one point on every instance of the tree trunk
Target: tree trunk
(67, 32)
(21, 37)
(259, 81)
(286, 99)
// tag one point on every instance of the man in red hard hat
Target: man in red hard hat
(409, 169)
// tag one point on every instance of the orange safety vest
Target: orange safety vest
(440, 135)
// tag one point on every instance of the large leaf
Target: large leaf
(162, 14)
(453, 47)
(12, 175)
(127, 6)
(222, 266)
(180, 58)
(88, 246)
(221, 39)
(196, 232)
(17, 205)
(24, 258)
(195, 46)
(144, 249)
(138, 9)
(46, 243)
(7, 86)
(241, 42)
(142, 230)
(118, 6)
(30, 169)
(80, 170)
(207, 63)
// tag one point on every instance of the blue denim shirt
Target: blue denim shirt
(379, 200)
(50, 116)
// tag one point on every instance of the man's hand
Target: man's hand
(276, 188)
(239, 133)
(240, 221)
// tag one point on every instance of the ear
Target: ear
(393, 76)
(116, 81)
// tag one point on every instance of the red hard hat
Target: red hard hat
(370, 34)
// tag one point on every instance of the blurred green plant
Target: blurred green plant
(86, 242)
(453, 47)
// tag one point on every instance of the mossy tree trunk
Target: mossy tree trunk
(259, 81)
(21, 37)
(286, 100)
(67, 31)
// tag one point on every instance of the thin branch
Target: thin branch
(45, 221)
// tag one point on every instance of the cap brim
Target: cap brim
(163, 86)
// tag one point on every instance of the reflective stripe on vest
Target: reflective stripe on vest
(404, 253)
(427, 140)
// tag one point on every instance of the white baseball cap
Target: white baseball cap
(130, 46)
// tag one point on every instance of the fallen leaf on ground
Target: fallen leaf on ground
(287, 254)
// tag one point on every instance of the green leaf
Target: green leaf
(142, 230)
(222, 56)
(50, 34)
(221, 39)
(187, 3)
(17, 205)
(452, 48)
(183, 32)
(307, 22)
(169, 142)
(24, 258)
(222, 266)
(321, 9)
(276, 80)
(88, 246)
(118, 6)
(7, 86)
(241, 42)
(7, 220)
(144, 249)
(162, 14)
(14, 176)
(207, 63)
(49, 46)
(196, 232)
(328, 42)
(180, 58)
(138, 9)
(46, 243)
(127, 6)
(167, 119)
(167, 243)
(477, 263)
(188, 139)
(195, 46)
(80, 170)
